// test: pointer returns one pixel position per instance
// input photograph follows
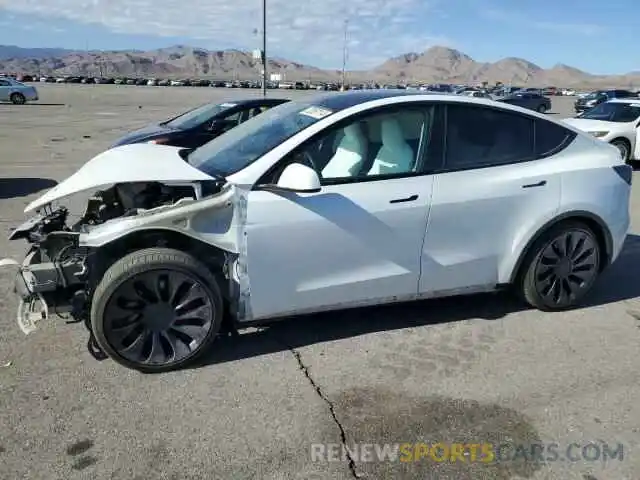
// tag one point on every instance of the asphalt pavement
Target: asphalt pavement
(470, 369)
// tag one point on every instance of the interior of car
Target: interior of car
(379, 145)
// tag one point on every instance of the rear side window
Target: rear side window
(481, 137)
(551, 138)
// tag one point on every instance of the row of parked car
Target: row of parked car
(246, 211)
(177, 83)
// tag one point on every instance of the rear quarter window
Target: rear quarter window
(551, 138)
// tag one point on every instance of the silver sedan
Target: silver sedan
(16, 92)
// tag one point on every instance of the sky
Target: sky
(582, 34)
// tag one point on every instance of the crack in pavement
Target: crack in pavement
(321, 394)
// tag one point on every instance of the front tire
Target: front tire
(624, 148)
(156, 310)
(542, 109)
(561, 267)
(18, 99)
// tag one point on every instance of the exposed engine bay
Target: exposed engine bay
(58, 274)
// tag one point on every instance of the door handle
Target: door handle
(408, 199)
(541, 183)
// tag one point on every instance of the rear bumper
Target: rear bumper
(31, 96)
(619, 232)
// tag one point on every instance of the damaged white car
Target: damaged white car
(351, 199)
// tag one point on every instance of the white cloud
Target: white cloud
(312, 30)
(519, 20)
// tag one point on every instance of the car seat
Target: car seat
(256, 111)
(395, 155)
(350, 153)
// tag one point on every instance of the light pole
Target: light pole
(344, 53)
(264, 48)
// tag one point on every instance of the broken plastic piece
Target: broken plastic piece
(5, 262)
(31, 311)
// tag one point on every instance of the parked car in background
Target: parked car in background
(16, 92)
(616, 122)
(200, 125)
(476, 94)
(589, 101)
(530, 100)
(318, 205)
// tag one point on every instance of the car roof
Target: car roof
(248, 102)
(625, 100)
(344, 100)
(351, 98)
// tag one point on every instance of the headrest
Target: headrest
(392, 132)
(353, 139)
(354, 132)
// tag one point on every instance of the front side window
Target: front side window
(479, 137)
(369, 147)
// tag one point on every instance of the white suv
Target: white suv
(345, 200)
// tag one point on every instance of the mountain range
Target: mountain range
(435, 65)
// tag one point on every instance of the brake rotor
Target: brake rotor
(31, 311)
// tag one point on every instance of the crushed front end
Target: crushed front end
(58, 275)
(53, 276)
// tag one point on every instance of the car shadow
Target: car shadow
(621, 281)
(21, 187)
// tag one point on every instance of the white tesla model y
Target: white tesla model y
(344, 200)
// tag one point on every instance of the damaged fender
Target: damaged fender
(219, 220)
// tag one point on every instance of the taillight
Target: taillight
(625, 172)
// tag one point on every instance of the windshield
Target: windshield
(241, 146)
(594, 95)
(614, 112)
(197, 116)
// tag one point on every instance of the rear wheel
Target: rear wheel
(542, 109)
(561, 267)
(18, 99)
(156, 310)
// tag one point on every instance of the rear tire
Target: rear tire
(542, 109)
(561, 267)
(18, 99)
(156, 310)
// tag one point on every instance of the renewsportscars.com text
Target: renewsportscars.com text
(468, 452)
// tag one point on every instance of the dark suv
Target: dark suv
(528, 99)
(600, 96)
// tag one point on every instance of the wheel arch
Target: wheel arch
(593, 221)
(213, 257)
(621, 138)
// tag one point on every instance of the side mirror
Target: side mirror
(296, 177)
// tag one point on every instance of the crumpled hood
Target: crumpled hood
(140, 162)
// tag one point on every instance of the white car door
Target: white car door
(490, 191)
(358, 240)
